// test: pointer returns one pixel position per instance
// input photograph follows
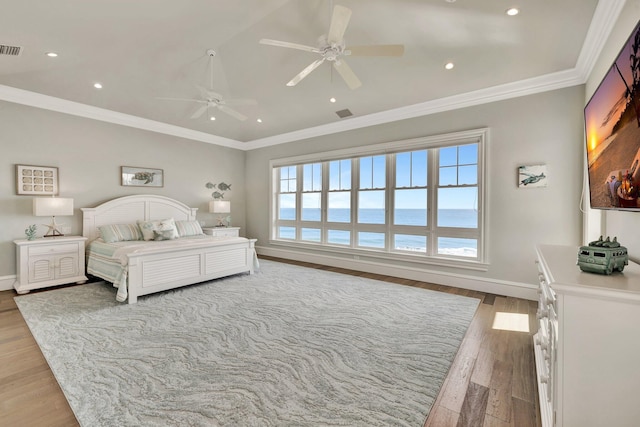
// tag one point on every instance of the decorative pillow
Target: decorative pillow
(147, 228)
(166, 230)
(120, 232)
(188, 228)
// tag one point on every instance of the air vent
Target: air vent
(10, 50)
(344, 113)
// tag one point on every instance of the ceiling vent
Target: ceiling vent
(10, 50)
(344, 113)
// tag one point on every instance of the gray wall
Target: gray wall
(544, 128)
(89, 154)
(624, 225)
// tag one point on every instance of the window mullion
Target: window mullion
(355, 189)
(324, 202)
(432, 200)
(299, 188)
(390, 199)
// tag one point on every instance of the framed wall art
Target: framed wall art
(532, 176)
(37, 180)
(142, 177)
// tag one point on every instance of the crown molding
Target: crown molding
(603, 21)
(530, 86)
(38, 100)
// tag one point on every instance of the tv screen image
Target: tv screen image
(612, 129)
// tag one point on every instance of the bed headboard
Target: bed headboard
(129, 209)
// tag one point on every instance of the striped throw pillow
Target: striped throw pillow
(120, 232)
(188, 228)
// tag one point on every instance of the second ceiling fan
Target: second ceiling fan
(332, 48)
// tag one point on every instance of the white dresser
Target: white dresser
(48, 262)
(587, 348)
(222, 231)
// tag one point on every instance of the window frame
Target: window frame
(388, 149)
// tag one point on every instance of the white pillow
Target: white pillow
(166, 230)
(147, 227)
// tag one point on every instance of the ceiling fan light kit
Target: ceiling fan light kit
(332, 48)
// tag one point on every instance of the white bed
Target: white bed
(164, 266)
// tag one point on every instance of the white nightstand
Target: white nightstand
(222, 231)
(48, 262)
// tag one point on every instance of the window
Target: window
(417, 200)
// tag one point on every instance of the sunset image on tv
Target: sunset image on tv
(612, 128)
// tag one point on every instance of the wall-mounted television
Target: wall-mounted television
(612, 129)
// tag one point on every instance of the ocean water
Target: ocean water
(459, 218)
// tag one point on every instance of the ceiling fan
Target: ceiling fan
(210, 99)
(332, 48)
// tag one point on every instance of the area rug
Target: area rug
(287, 346)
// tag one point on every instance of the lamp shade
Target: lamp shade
(52, 206)
(220, 206)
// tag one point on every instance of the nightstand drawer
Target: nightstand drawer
(53, 249)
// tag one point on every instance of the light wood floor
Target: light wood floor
(491, 382)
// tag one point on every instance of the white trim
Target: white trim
(603, 21)
(33, 99)
(493, 286)
(553, 81)
(361, 251)
(473, 136)
(462, 137)
(6, 282)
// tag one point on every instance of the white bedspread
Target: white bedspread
(121, 252)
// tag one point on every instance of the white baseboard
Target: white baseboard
(6, 282)
(492, 286)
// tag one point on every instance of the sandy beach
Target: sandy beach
(618, 155)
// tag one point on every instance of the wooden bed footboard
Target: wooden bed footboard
(150, 273)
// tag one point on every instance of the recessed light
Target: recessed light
(212, 118)
(52, 54)
(512, 12)
(449, 65)
(259, 120)
(97, 85)
(332, 99)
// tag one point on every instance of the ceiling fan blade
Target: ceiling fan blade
(239, 102)
(181, 99)
(347, 74)
(289, 45)
(200, 111)
(232, 112)
(339, 22)
(304, 73)
(376, 50)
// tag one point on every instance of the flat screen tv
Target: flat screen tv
(612, 129)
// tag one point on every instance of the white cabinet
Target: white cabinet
(48, 262)
(222, 231)
(588, 343)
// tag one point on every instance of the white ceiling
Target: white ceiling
(144, 49)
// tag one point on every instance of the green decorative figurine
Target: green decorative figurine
(603, 256)
(30, 232)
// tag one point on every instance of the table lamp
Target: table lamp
(220, 207)
(52, 206)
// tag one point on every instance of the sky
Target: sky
(608, 101)
(456, 166)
